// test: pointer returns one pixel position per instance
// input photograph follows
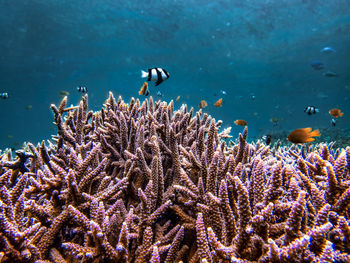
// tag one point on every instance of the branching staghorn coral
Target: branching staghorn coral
(143, 182)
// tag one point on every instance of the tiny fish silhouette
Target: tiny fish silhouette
(327, 50)
(317, 65)
(330, 74)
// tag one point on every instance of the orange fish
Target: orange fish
(303, 135)
(178, 98)
(336, 113)
(144, 89)
(203, 104)
(241, 122)
(218, 103)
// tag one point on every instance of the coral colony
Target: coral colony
(140, 182)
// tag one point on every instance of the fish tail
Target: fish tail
(341, 114)
(315, 133)
(310, 139)
(317, 110)
(144, 74)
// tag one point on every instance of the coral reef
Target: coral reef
(141, 182)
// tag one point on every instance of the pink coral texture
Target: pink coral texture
(143, 182)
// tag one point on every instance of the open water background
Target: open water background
(250, 48)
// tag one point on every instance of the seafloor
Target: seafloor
(144, 182)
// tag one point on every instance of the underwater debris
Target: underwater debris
(303, 135)
(144, 182)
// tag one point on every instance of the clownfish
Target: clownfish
(157, 75)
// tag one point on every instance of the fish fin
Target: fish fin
(308, 129)
(341, 114)
(144, 74)
(310, 139)
(315, 133)
(158, 82)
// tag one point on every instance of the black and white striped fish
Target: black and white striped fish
(155, 74)
(82, 89)
(311, 110)
(333, 122)
(267, 139)
(4, 95)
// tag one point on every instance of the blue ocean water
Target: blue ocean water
(258, 51)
